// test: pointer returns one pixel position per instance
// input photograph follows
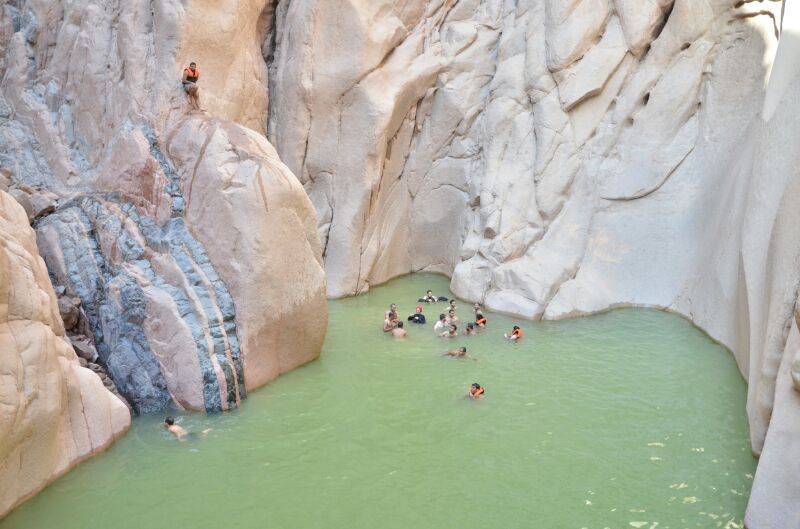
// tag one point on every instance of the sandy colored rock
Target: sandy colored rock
(255, 221)
(54, 413)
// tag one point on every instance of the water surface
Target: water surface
(628, 419)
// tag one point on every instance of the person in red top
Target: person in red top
(516, 334)
(190, 77)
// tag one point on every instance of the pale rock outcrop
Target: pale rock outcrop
(565, 157)
(250, 213)
(90, 94)
(53, 412)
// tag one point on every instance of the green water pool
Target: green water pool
(632, 418)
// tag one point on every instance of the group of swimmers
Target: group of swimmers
(446, 327)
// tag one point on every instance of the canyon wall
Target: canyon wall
(191, 248)
(554, 157)
(53, 412)
(559, 158)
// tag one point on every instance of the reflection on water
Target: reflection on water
(627, 419)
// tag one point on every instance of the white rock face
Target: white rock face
(53, 412)
(557, 158)
(554, 157)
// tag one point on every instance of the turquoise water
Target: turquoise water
(629, 419)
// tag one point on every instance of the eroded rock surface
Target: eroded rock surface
(53, 412)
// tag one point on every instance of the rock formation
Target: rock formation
(554, 157)
(191, 248)
(53, 412)
(559, 158)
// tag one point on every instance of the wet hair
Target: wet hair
(429, 292)
(516, 328)
(454, 327)
(441, 317)
(463, 349)
(475, 385)
(169, 421)
(451, 310)
(470, 326)
(399, 324)
(192, 63)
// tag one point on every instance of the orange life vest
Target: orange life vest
(517, 333)
(191, 76)
(481, 321)
(477, 392)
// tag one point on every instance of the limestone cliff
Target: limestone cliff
(191, 247)
(555, 157)
(558, 158)
(53, 412)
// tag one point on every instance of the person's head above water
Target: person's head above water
(193, 65)
(399, 324)
(475, 385)
(453, 328)
(463, 349)
(393, 307)
(516, 328)
(419, 309)
(441, 317)
(169, 421)
(430, 292)
(470, 326)
(451, 312)
(453, 303)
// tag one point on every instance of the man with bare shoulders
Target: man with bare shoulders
(399, 331)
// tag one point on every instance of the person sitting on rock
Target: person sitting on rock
(480, 320)
(189, 80)
(417, 317)
(516, 334)
(399, 331)
(470, 331)
(476, 391)
(441, 324)
(452, 332)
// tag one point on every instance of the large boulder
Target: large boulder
(53, 412)
(259, 229)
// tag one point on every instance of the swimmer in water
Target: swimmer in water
(451, 317)
(179, 433)
(391, 321)
(392, 309)
(429, 297)
(399, 331)
(480, 320)
(461, 352)
(516, 334)
(476, 391)
(470, 330)
(441, 325)
(452, 306)
(417, 317)
(476, 308)
(451, 333)
(174, 429)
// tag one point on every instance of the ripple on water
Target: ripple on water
(628, 419)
